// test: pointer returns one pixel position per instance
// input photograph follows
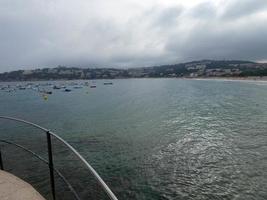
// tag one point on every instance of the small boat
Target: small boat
(35, 88)
(56, 87)
(77, 87)
(73, 83)
(93, 86)
(67, 90)
(108, 83)
(48, 92)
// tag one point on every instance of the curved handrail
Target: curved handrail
(91, 169)
(46, 162)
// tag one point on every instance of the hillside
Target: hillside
(203, 68)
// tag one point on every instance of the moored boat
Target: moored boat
(108, 83)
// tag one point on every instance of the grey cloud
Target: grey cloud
(166, 17)
(203, 10)
(43, 33)
(221, 42)
(236, 8)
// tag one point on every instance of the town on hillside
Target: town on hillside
(203, 68)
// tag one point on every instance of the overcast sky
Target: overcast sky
(129, 33)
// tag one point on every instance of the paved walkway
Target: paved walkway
(13, 188)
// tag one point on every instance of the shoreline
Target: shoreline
(249, 78)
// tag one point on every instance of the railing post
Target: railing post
(1, 161)
(51, 166)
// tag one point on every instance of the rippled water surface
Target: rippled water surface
(162, 138)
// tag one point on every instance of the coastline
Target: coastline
(249, 78)
(232, 78)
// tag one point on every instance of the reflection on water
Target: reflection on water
(158, 138)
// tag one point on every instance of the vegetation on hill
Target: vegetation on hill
(203, 68)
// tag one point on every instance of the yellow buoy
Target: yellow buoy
(45, 97)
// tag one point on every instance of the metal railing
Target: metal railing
(49, 162)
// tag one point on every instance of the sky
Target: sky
(129, 33)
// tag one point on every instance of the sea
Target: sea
(149, 139)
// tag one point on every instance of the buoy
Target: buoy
(45, 97)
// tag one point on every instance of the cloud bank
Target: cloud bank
(129, 33)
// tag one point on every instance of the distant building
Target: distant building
(27, 72)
